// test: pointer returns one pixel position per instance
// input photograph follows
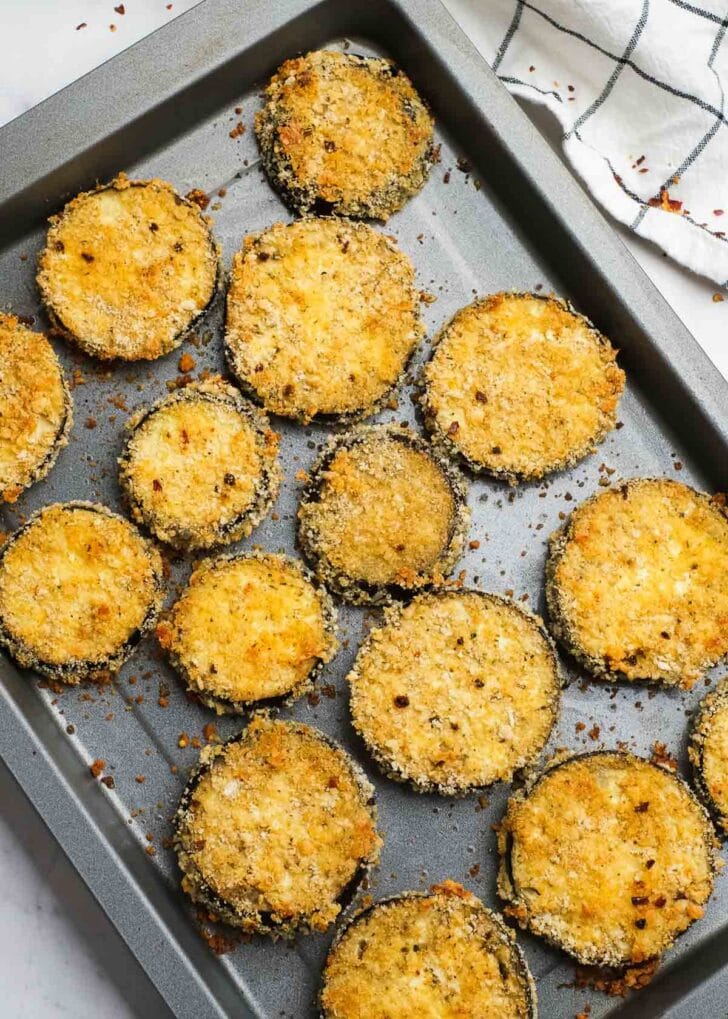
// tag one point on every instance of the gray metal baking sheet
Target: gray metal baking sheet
(514, 219)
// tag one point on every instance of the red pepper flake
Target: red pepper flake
(665, 203)
(169, 7)
(717, 212)
(112, 28)
(474, 544)
(97, 766)
(238, 130)
(401, 700)
(187, 363)
(91, 423)
(639, 161)
(140, 779)
(570, 88)
(532, 68)
(660, 755)
(643, 807)
(474, 870)
(108, 781)
(82, 25)
(157, 485)
(580, 726)
(446, 177)
(210, 733)
(120, 9)
(238, 110)
(199, 197)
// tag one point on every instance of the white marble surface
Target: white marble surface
(59, 956)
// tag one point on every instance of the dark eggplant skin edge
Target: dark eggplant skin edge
(359, 592)
(453, 451)
(76, 671)
(265, 491)
(266, 923)
(503, 930)
(557, 618)
(391, 770)
(60, 329)
(339, 420)
(509, 894)
(227, 706)
(304, 198)
(711, 704)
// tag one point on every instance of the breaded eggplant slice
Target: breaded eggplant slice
(276, 829)
(417, 954)
(200, 467)
(636, 583)
(346, 134)
(520, 385)
(708, 752)
(250, 630)
(35, 407)
(607, 856)
(322, 318)
(382, 514)
(455, 691)
(79, 588)
(128, 269)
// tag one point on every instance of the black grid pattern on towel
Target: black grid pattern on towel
(627, 59)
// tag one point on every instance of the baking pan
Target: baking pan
(506, 216)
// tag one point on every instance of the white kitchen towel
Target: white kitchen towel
(638, 88)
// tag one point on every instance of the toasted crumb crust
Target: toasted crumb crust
(250, 630)
(607, 856)
(36, 411)
(79, 588)
(520, 385)
(455, 691)
(200, 467)
(128, 269)
(381, 514)
(708, 752)
(436, 955)
(635, 582)
(344, 133)
(276, 829)
(322, 318)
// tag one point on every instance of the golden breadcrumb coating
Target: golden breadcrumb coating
(455, 691)
(381, 511)
(708, 751)
(636, 582)
(127, 269)
(608, 856)
(344, 133)
(520, 385)
(274, 827)
(200, 467)
(322, 318)
(249, 628)
(79, 586)
(35, 407)
(441, 955)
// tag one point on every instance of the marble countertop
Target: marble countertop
(59, 955)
